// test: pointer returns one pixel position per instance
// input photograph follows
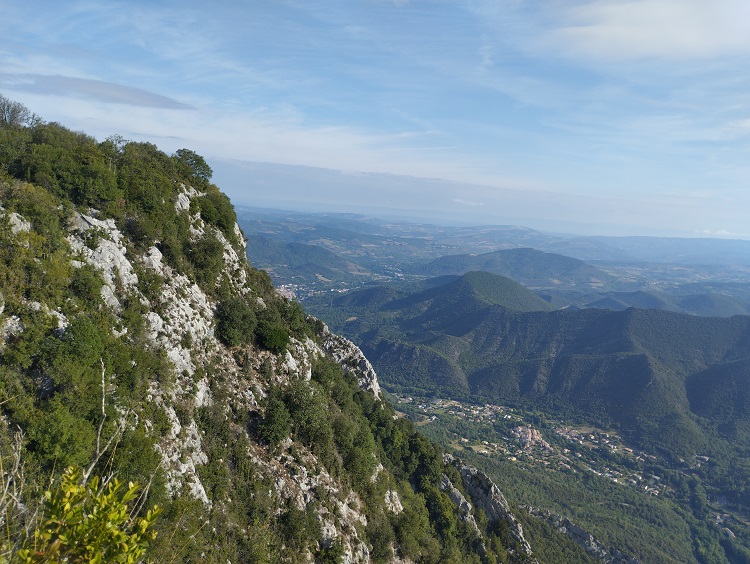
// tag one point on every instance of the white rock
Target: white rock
(18, 224)
(153, 260)
(393, 502)
(10, 327)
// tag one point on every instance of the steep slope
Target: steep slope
(136, 342)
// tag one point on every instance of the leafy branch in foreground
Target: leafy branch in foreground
(89, 522)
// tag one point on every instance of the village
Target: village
(528, 439)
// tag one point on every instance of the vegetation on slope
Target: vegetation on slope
(88, 379)
(673, 384)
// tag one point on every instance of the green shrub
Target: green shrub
(89, 523)
(276, 424)
(272, 336)
(235, 322)
(192, 166)
(207, 257)
(86, 284)
(298, 528)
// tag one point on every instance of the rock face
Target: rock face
(180, 321)
(581, 537)
(458, 499)
(488, 497)
(207, 384)
(353, 360)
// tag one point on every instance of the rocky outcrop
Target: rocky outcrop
(352, 359)
(461, 503)
(180, 322)
(581, 537)
(488, 497)
(101, 244)
(17, 223)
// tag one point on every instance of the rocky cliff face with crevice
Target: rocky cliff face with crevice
(488, 497)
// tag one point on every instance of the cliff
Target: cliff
(136, 342)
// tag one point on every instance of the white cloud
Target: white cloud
(723, 234)
(661, 29)
(468, 202)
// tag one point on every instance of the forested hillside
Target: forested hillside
(645, 370)
(674, 385)
(137, 344)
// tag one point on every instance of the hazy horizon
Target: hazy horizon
(333, 191)
(629, 117)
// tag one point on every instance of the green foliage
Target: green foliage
(144, 178)
(276, 424)
(216, 209)
(308, 408)
(235, 321)
(206, 255)
(193, 165)
(298, 528)
(272, 336)
(86, 284)
(13, 114)
(89, 522)
(59, 435)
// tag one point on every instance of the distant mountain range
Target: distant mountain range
(666, 379)
(296, 262)
(531, 267)
(314, 253)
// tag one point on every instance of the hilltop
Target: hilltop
(531, 267)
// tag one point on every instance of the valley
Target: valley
(605, 388)
(312, 255)
(539, 462)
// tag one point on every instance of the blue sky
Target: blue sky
(607, 116)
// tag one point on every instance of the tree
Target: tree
(13, 114)
(273, 336)
(192, 163)
(235, 321)
(276, 423)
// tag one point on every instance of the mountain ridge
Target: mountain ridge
(478, 347)
(136, 341)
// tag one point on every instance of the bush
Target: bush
(207, 257)
(276, 423)
(89, 523)
(235, 322)
(87, 284)
(273, 336)
(192, 165)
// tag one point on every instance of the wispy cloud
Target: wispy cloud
(610, 100)
(724, 234)
(94, 89)
(468, 202)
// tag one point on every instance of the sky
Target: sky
(606, 116)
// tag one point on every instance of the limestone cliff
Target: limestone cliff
(136, 342)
